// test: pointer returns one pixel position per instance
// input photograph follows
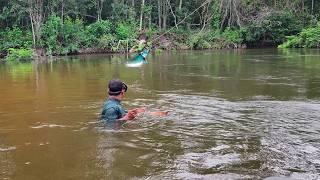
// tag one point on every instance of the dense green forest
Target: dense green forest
(59, 27)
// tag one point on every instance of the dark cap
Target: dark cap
(116, 86)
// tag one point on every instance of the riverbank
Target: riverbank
(156, 42)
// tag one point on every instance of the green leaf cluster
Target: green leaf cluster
(308, 38)
(15, 38)
(198, 41)
(60, 37)
(232, 35)
(125, 31)
(274, 27)
(68, 26)
(107, 41)
(97, 33)
(19, 54)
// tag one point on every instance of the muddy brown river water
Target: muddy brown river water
(234, 114)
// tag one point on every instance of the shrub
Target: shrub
(193, 40)
(275, 27)
(309, 38)
(51, 35)
(151, 31)
(19, 54)
(198, 41)
(95, 31)
(233, 36)
(253, 33)
(73, 31)
(292, 41)
(280, 25)
(62, 37)
(107, 41)
(15, 38)
(125, 31)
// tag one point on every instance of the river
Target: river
(233, 114)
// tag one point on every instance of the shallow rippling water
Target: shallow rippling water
(245, 114)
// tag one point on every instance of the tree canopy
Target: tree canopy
(64, 26)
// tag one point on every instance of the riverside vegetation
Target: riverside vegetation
(60, 27)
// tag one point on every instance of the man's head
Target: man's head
(117, 87)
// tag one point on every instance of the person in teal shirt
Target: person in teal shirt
(112, 109)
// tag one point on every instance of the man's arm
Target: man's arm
(131, 114)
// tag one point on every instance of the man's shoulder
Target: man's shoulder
(112, 106)
(111, 110)
(111, 102)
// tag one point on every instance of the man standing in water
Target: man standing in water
(112, 108)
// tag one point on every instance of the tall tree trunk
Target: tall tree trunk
(164, 15)
(174, 16)
(141, 14)
(231, 16)
(36, 18)
(150, 21)
(230, 13)
(62, 10)
(99, 6)
(207, 15)
(180, 5)
(33, 32)
(159, 14)
(312, 6)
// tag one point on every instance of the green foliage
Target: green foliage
(229, 38)
(193, 40)
(121, 11)
(292, 41)
(71, 35)
(95, 31)
(274, 27)
(15, 38)
(233, 36)
(249, 22)
(73, 31)
(107, 41)
(198, 41)
(62, 37)
(279, 25)
(308, 38)
(151, 31)
(311, 37)
(100, 28)
(181, 14)
(125, 31)
(51, 35)
(19, 54)
(216, 18)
